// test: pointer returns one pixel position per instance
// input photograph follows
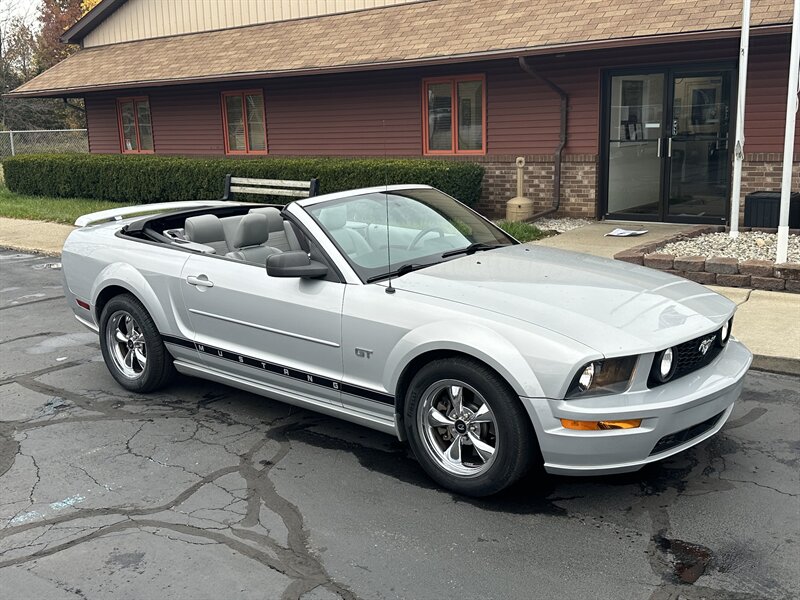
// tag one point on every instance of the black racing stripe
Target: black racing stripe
(178, 341)
(373, 395)
(310, 378)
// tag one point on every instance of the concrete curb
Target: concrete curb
(777, 364)
(24, 248)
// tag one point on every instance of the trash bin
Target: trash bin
(763, 209)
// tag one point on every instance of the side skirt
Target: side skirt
(206, 372)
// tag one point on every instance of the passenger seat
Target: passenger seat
(250, 240)
(207, 230)
(281, 234)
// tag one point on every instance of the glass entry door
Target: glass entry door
(698, 146)
(636, 130)
(668, 154)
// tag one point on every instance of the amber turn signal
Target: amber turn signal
(600, 425)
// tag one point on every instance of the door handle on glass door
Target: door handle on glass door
(669, 147)
(199, 280)
(658, 148)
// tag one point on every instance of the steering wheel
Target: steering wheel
(422, 234)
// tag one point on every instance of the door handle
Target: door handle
(658, 148)
(669, 147)
(199, 280)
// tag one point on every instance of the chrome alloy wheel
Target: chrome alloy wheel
(126, 344)
(458, 428)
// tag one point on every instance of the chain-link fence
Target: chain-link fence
(43, 141)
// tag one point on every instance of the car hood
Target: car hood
(611, 306)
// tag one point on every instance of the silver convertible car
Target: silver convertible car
(401, 309)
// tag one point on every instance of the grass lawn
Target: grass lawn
(524, 232)
(42, 208)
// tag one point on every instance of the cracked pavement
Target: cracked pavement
(203, 491)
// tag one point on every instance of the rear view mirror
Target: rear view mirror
(295, 264)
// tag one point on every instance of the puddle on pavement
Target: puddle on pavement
(52, 406)
(689, 561)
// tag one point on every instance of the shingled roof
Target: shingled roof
(401, 35)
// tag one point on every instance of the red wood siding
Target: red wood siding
(360, 114)
(765, 107)
(187, 121)
(101, 120)
(380, 113)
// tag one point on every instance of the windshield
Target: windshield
(423, 225)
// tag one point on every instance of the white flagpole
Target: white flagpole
(788, 140)
(738, 148)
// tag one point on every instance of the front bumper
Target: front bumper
(687, 407)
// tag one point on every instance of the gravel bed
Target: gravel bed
(560, 225)
(749, 245)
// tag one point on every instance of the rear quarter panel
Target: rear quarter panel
(95, 258)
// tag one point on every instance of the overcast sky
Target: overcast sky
(27, 9)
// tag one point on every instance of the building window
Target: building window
(245, 122)
(454, 115)
(135, 126)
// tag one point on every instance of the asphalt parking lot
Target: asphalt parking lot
(203, 491)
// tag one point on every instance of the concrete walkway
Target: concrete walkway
(767, 322)
(592, 239)
(33, 236)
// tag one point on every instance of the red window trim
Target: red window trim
(242, 95)
(454, 81)
(135, 100)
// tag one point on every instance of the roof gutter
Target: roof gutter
(562, 142)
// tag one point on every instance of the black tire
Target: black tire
(158, 369)
(515, 449)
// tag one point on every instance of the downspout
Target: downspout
(557, 155)
(74, 106)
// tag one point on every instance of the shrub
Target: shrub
(146, 179)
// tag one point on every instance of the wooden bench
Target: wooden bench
(270, 187)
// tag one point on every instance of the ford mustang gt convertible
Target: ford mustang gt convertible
(401, 309)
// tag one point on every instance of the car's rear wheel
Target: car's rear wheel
(132, 347)
(467, 427)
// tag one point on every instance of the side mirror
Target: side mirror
(294, 264)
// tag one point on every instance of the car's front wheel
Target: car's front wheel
(132, 347)
(467, 428)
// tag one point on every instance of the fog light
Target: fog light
(665, 366)
(725, 333)
(600, 425)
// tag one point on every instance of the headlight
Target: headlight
(586, 377)
(664, 365)
(610, 376)
(725, 333)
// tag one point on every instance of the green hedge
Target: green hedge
(146, 179)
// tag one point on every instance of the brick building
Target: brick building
(648, 87)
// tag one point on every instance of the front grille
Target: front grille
(689, 358)
(684, 435)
